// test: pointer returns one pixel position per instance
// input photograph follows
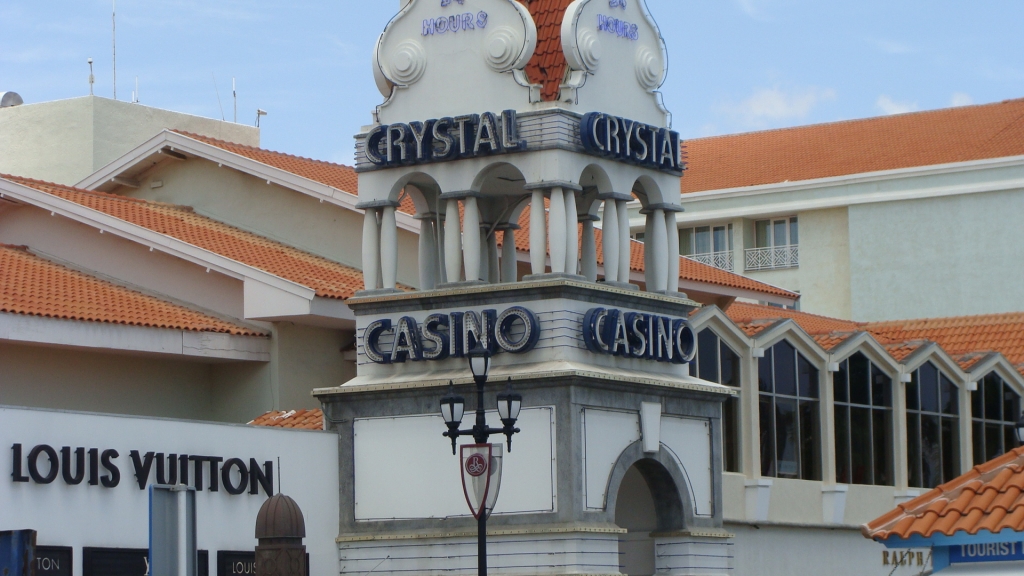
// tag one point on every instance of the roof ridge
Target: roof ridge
(201, 138)
(23, 179)
(994, 316)
(917, 113)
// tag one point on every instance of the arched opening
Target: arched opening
(647, 502)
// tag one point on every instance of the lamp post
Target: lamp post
(453, 408)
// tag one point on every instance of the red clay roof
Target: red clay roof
(33, 286)
(742, 313)
(547, 67)
(988, 498)
(299, 419)
(329, 279)
(961, 335)
(338, 176)
(856, 146)
(967, 338)
(688, 269)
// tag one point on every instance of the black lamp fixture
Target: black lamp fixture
(509, 405)
(453, 408)
(1018, 430)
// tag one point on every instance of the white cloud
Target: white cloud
(775, 104)
(961, 99)
(749, 8)
(889, 106)
(890, 46)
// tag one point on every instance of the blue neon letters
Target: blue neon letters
(444, 139)
(451, 335)
(637, 335)
(631, 141)
(620, 28)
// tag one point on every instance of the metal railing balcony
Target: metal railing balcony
(773, 258)
(721, 260)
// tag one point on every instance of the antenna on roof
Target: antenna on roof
(113, 20)
(259, 113)
(234, 95)
(92, 78)
(135, 94)
(217, 90)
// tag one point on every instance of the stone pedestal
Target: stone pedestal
(593, 411)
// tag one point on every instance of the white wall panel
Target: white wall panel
(96, 516)
(606, 434)
(689, 441)
(404, 468)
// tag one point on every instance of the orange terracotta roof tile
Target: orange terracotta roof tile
(339, 176)
(329, 279)
(743, 313)
(856, 146)
(1002, 333)
(33, 286)
(298, 419)
(832, 339)
(988, 498)
(900, 350)
(688, 269)
(548, 65)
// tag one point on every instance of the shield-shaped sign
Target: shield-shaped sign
(481, 476)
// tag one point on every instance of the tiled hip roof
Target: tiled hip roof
(856, 147)
(548, 65)
(299, 419)
(989, 498)
(339, 176)
(33, 286)
(327, 278)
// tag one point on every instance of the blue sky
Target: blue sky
(736, 65)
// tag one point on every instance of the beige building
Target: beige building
(908, 216)
(66, 140)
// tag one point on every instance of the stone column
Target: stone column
(538, 235)
(471, 248)
(428, 252)
(610, 241)
(648, 239)
(439, 224)
(556, 231)
(371, 249)
(657, 246)
(389, 248)
(624, 241)
(452, 241)
(509, 262)
(588, 259)
(572, 239)
(672, 229)
(493, 268)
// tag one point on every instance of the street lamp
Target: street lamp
(452, 410)
(1018, 430)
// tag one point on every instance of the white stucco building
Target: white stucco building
(919, 207)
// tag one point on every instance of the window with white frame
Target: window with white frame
(995, 409)
(933, 428)
(864, 423)
(776, 244)
(790, 422)
(711, 245)
(716, 362)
